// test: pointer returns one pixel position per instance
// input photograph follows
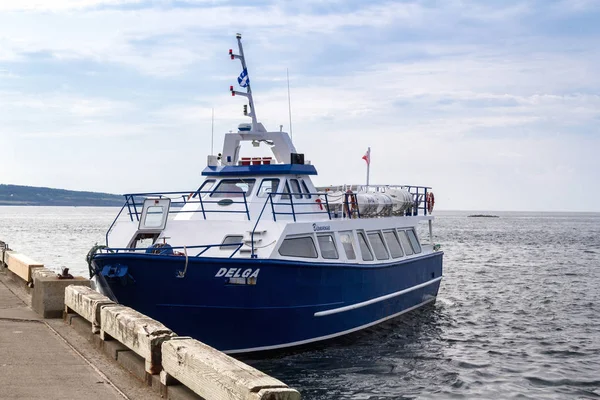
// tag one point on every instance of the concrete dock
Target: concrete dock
(60, 339)
(46, 359)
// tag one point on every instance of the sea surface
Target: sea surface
(517, 315)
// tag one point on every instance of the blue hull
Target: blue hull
(288, 304)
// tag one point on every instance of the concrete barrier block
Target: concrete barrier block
(42, 272)
(276, 394)
(134, 364)
(214, 375)
(21, 265)
(86, 302)
(112, 348)
(48, 294)
(138, 332)
(179, 392)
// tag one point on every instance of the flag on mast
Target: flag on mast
(243, 79)
(367, 156)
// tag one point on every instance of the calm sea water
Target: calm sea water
(517, 316)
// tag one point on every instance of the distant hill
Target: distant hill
(15, 195)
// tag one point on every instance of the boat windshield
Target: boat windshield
(233, 188)
(206, 185)
(268, 186)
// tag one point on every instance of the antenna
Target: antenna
(212, 132)
(287, 72)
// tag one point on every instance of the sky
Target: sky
(494, 104)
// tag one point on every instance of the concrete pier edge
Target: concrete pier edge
(139, 344)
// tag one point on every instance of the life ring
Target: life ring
(350, 205)
(430, 202)
(320, 203)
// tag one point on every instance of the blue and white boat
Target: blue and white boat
(258, 258)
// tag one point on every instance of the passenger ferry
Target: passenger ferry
(258, 258)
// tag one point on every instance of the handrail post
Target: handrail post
(272, 208)
(253, 229)
(327, 206)
(114, 222)
(292, 205)
(236, 250)
(201, 205)
(128, 206)
(416, 212)
(253, 255)
(135, 208)
(252, 240)
(346, 209)
(246, 204)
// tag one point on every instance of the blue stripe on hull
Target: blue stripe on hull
(292, 303)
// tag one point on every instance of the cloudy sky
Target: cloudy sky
(496, 104)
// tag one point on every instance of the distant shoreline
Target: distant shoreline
(32, 196)
(61, 205)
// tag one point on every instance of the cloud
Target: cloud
(69, 104)
(61, 5)
(6, 74)
(487, 94)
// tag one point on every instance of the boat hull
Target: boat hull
(247, 305)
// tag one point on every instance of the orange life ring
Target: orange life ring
(350, 205)
(430, 202)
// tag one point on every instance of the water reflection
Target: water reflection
(379, 361)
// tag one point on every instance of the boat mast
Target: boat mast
(248, 93)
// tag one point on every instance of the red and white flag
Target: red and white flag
(367, 156)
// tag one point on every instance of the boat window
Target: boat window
(268, 186)
(377, 244)
(413, 240)
(155, 213)
(298, 247)
(206, 186)
(405, 243)
(296, 188)
(233, 188)
(154, 217)
(393, 244)
(364, 247)
(327, 247)
(348, 244)
(286, 189)
(305, 189)
(231, 240)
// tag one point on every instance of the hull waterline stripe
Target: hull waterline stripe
(376, 300)
(248, 308)
(333, 335)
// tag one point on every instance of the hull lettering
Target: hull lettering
(237, 273)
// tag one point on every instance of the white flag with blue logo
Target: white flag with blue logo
(243, 79)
